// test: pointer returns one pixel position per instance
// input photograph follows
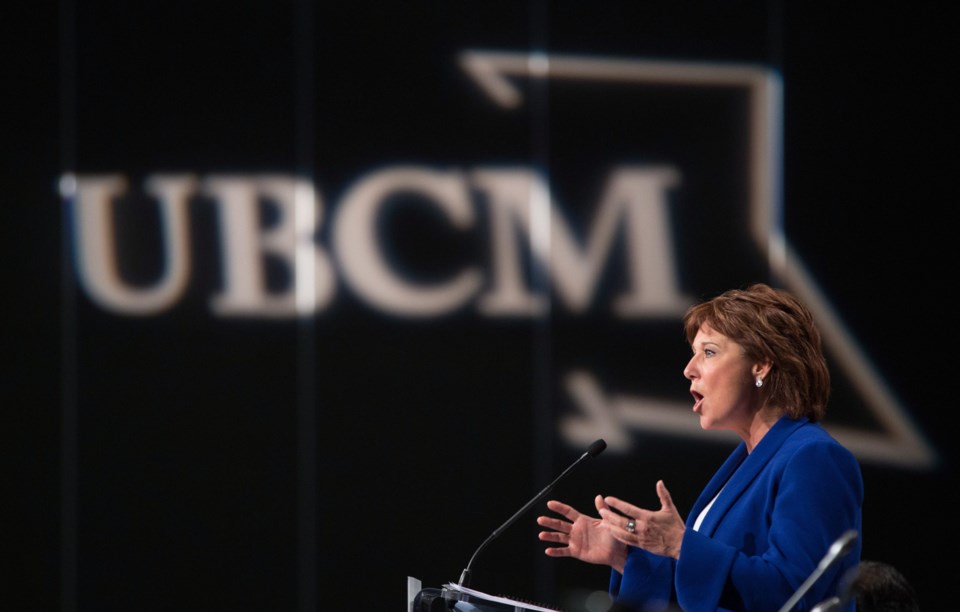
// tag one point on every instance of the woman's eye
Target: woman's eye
(708, 352)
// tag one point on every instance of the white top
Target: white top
(703, 513)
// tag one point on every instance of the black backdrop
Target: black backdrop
(188, 461)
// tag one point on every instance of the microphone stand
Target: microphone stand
(837, 602)
(595, 449)
(837, 550)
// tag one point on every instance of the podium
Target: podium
(454, 598)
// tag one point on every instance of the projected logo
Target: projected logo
(633, 182)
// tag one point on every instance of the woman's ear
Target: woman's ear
(762, 368)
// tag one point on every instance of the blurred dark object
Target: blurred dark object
(880, 587)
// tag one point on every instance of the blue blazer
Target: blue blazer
(780, 509)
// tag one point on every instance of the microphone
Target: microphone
(592, 451)
(840, 547)
(847, 591)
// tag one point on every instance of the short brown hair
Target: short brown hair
(771, 324)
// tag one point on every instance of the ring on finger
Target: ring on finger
(631, 526)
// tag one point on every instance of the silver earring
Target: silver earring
(759, 382)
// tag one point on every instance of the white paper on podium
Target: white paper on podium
(520, 605)
(413, 587)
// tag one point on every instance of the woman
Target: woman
(772, 510)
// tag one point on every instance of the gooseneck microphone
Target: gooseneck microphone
(592, 451)
(840, 547)
(847, 591)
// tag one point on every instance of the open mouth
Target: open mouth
(697, 400)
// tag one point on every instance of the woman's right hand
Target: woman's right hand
(582, 537)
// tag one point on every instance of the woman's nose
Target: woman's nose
(689, 371)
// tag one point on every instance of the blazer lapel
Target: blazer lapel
(716, 483)
(738, 471)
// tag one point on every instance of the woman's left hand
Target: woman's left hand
(659, 532)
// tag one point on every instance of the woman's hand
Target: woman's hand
(659, 532)
(582, 537)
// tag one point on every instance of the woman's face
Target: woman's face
(722, 382)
